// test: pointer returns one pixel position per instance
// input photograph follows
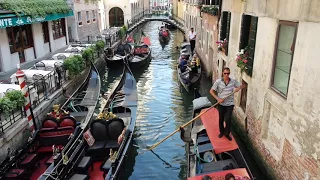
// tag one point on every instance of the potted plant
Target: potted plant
(222, 45)
(242, 61)
(74, 65)
(6, 107)
(17, 98)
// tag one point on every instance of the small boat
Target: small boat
(207, 154)
(142, 53)
(101, 149)
(123, 52)
(56, 135)
(191, 76)
(170, 26)
(164, 34)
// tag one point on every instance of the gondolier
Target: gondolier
(192, 39)
(223, 87)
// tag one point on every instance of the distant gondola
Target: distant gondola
(142, 53)
(190, 76)
(118, 56)
(164, 34)
(208, 155)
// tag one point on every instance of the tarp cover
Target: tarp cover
(146, 41)
(239, 174)
(210, 121)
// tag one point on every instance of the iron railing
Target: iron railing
(8, 121)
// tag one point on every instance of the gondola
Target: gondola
(97, 153)
(117, 57)
(142, 53)
(207, 154)
(56, 134)
(191, 76)
(164, 34)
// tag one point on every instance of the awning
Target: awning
(8, 20)
(210, 121)
(240, 172)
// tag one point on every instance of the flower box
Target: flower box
(243, 63)
(213, 10)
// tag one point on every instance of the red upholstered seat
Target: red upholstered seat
(50, 123)
(30, 160)
(67, 121)
(15, 173)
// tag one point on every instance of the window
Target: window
(58, 28)
(19, 38)
(225, 28)
(248, 37)
(45, 31)
(79, 18)
(94, 16)
(243, 98)
(284, 50)
(88, 16)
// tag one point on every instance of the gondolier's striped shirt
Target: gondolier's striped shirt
(224, 90)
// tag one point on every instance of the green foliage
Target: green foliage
(122, 31)
(100, 45)
(35, 8)
(74, 64)
(6, 106)
(16, 97)
(243, 61)
(88, 54)
(210, 10)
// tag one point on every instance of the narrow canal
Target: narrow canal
(163, 106)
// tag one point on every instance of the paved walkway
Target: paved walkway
(26, 65)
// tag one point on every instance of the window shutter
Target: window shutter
(223, 28)
(228, 30)
(252, 40)
(245, 30)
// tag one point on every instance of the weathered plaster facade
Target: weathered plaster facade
(85, 21)
(284, 130)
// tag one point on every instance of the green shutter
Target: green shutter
(228, 30)
(252, 41)
(245, 30)
(223, 28)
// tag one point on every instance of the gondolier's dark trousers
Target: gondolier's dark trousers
(192, 44)
(225, 114)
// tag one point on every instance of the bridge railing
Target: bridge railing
(178, 20)
(138, 17)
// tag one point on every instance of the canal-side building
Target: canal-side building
(119, 13)
(85, 21)
(178, 9)
(278, 43)
(24, 39)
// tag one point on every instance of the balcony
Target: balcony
(202, 2)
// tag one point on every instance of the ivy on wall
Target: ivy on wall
(35, 8)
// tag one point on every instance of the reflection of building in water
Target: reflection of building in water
(24, 39)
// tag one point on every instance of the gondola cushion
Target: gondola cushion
(29, 161)
(79, 177)
(115, 128)
(52, 136)
(50, 123)
(201, 102)
(67, 121)
(15, 173)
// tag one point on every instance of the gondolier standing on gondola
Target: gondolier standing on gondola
(192, 39)
(220, 90)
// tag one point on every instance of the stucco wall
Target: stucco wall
(283, 130)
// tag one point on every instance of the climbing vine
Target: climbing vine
(35, 8)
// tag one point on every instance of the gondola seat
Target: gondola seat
(79, 177)
(53, 136)
(106, 135)
(29, 161)
(15, 174)
(84, 164)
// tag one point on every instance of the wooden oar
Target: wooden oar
(186, 124)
